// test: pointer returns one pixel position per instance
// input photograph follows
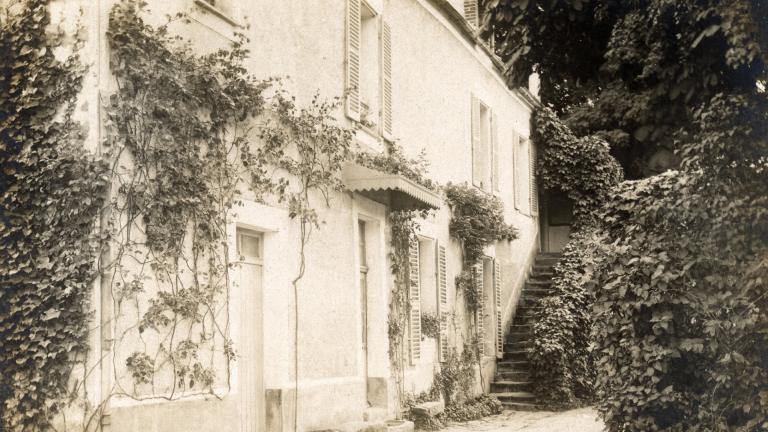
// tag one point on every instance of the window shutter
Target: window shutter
(442, 301)
(477, 154)
(516, 169)
(534, 190)
(414, 297)
(353, 59)
(497, 300)
(386, 80)
(480, 314)
(470, 12)
(495, 152)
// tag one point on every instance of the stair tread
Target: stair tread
(525, 395)
(511, 382)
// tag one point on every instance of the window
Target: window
(369, 68)
(485, 172)
(224, 9)
(414, 298)
(533, 190)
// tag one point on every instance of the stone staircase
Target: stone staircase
(512, 385)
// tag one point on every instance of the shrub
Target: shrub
(482, 406)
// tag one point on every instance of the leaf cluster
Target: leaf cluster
(477, 220)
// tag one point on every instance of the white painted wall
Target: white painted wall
(436, 70)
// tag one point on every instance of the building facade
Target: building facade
(411, 72)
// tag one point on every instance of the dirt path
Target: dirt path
(579, 420)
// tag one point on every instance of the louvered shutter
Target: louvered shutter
(353, 60)
(477, 152)
(497, 301)
(480, 314)
(442, 301)
(516, 169)
(414, 297)
(470, 12)
(495, 152)
(533, 191)
(386, 80)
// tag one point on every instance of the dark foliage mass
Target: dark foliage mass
(632, 71)
(49, 202)
(676, 263)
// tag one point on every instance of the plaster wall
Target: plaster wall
(436, 71)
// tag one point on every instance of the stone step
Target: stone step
(521, 406)
(518, 336)
(513, 365)
(541, 268)
(515, 355)
(505, 386)
(551, 254)
(524, 397)
(516, 345)
(547, 260)
(512, 375)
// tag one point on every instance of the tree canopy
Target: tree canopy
(632, 72)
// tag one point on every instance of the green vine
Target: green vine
(51, 191)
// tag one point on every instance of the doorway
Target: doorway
(557, 216)
(250, 251)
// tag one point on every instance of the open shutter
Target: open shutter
(480, 314)
(414, 297)
(497, 301)
(470, 12)
(534, 190)
(353, 59)
(495, 152)
(442, 301)
(386, 80)
(516, 169)
(477, 153)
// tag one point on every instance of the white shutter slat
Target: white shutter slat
(516, 169)
(497, 301)
(414, 297)
(533, 191)
(471, 12)
(495, 152)
(386, 80)
(442, 301)
(477, 153)
(353, 60)
(480, 314)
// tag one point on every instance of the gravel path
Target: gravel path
(578, 420)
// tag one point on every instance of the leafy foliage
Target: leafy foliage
(582, 168)
(479, 407)
(394, 161)
(477, 220)
(456, 378)
(51, 191)
(430, 325)
(562, 365)
(632, 72)
(680, 312)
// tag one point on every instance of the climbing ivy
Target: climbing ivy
(50, 196)
(477, 220)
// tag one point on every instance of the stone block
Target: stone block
(429, 409)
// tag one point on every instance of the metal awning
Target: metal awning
(392, 190)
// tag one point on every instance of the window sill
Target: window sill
(209, 8)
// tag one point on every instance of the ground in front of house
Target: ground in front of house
(578, 420)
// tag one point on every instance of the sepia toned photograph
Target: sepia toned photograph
(383, 215)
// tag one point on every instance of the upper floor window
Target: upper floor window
(485, 172)
(369, 68)
(224, 9)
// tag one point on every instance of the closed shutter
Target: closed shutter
(497, 301)
(386, 80)
(442, 301)
(495, 152)
(480, 314)
(477, 152)
(414, 297)
(534, 190)
(353, 60)
(470, 12)
(516, 169)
